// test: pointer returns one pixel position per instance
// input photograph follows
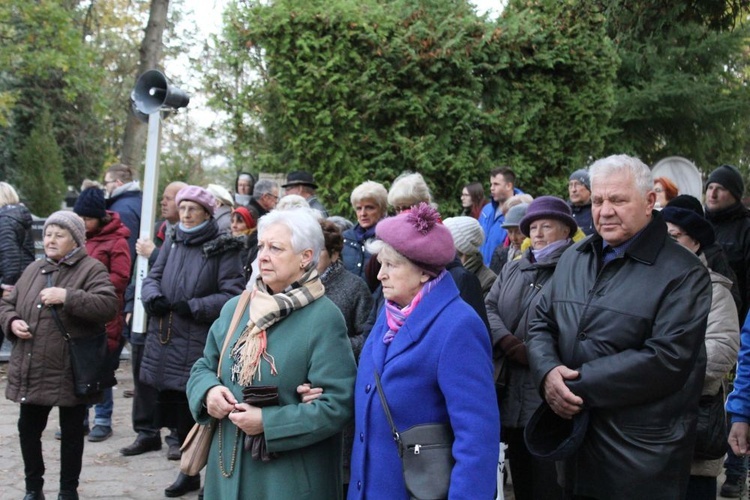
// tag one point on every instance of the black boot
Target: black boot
(67, 495)
(34, 495)
(182, 485)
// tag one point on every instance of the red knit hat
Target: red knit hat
(418, 235)
(246, 216)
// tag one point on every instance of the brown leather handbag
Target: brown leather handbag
(198, 441)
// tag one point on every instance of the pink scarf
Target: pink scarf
(395, 317)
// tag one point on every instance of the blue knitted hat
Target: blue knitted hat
(90, 203)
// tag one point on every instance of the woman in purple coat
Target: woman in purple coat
(433, 357)
(190, 282)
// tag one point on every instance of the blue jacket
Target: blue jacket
(738, 402)
(437, 369)
(491, 220)
(128, 205)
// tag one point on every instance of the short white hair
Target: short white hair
(611, 165)
(302, 224)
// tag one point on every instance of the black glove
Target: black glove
(157, 307)
(183, 309)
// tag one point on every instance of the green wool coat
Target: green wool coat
(310, 345)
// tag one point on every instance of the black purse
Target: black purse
(426, 452)
(89, 360)
(711, 431)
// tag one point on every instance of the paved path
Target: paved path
(106, 473)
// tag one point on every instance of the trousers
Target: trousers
(31, 423)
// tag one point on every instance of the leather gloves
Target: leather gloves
(183, 309)
(157, 307)
(514, 349)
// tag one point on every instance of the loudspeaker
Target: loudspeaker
(152, 92)
(142, 117)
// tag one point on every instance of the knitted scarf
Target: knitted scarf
(267, 310)
(395, 317)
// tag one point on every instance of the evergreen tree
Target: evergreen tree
(39, 176)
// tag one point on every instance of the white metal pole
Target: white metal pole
(148, 210)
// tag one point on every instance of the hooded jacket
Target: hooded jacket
(634, 329)
(203, 269)
(109, 246)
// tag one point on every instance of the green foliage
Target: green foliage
(47, 65)
(549, 91)
(683, 83)
(363, 90)
(39, 178)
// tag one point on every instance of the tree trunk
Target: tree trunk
(134, 142)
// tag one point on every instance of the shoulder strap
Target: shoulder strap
(241, 305)
(386, 408)
(55, 316)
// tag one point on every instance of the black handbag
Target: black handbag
(426, 452)
(89, 360)
(711, 431)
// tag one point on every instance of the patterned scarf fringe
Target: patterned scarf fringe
(265, 311)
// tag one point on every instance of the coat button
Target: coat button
(359, 485)
(367, 388)
(582, 336)
(361, 437)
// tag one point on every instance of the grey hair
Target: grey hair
(291, 201)
(343, 223)
(408, 190)
(371, 190)
(304, 226)
(264, 186)
(611, 165)
(8, 195)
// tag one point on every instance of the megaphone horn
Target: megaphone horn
(152, 92)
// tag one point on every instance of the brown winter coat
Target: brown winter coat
(39, 370)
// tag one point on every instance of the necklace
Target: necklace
(221, 452)
(165, 341)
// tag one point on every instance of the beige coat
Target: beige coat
(39, 371)
(722, 344)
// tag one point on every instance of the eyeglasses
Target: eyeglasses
(272, 195)
(107, 183)
(676, 236)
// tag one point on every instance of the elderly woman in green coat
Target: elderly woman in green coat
(291, 336)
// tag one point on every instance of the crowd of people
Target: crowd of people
(588, 335)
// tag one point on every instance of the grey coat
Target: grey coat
(510, 307)
(204, 270)
(352, 297)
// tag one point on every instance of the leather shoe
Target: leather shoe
(174, 452)
(182, 485)
(67, 495)
(34, 495)
(142, 445)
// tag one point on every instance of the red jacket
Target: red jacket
(109, 245)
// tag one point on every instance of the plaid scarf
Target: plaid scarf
(395, 317)
(267, 310)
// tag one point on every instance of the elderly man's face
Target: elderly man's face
(619, 209)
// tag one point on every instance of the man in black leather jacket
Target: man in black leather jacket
(619, 333)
